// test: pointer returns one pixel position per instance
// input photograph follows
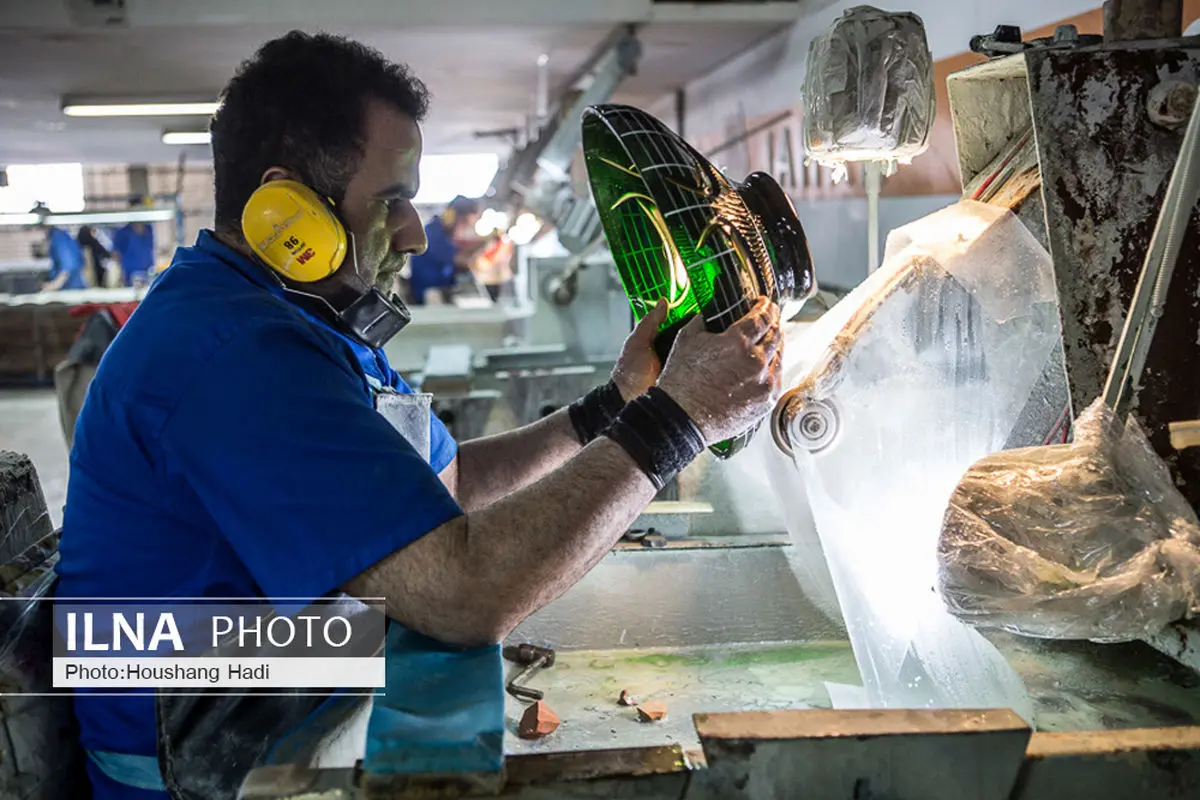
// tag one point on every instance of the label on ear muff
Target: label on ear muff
(294, 231)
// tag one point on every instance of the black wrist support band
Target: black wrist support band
(595, 411)
(657, 434)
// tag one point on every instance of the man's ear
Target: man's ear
(279, 174)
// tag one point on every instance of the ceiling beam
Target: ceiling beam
(179, 13)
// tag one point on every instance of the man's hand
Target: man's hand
(638, 366)
(726, 381)
(522, 549)
(493, 467)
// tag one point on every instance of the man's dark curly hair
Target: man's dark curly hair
(300, 103)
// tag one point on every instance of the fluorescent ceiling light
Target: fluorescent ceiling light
(80, 109)
(92, 217)
(113, 217)
(186, 137)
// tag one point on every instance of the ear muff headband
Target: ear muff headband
(294, 231)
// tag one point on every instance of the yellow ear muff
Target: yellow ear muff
(294, 231)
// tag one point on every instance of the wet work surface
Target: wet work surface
(583, 687)
(1082, 686)
(1075, 686)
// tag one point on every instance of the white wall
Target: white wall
(837, 232)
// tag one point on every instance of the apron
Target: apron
(442, 714)
(444, 708)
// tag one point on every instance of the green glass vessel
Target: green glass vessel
(677, 228)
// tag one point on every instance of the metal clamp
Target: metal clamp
(533, 658)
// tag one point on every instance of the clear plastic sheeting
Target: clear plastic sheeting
(922, 370)
(869, 90)
(1089, 540)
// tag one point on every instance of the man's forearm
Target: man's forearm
(472, 580)
(494, 466)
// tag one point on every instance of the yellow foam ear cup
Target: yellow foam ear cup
(294, 231)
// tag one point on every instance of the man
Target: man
(433, 271)
(230, 447)
(133, 249)
(66, 261)
(493, 268)
(96, 252)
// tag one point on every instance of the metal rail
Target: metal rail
(1151, 294)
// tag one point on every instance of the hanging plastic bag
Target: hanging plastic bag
(1089, 540)
(868, 90)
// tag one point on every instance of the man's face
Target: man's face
(377, 207)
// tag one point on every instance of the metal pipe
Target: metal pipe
(873, 174)
(611, 70)
(746, 134)
(542, 99)
(180, 173)
(590, 63)
(1150, 295)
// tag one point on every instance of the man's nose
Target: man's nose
(410, 236)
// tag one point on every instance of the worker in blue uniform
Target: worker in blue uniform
(231, 446)
(434, 271)
(66, 261)
(133, 249)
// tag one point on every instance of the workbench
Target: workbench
(727, 637)
(36, 330)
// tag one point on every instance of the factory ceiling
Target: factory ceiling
(479, 58)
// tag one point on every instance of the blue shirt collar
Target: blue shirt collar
(208, 243)
(373, 362)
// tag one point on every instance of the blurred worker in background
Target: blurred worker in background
(133, 247)
(66, 261)
(493, 268)
(96, 252)
(433, 272)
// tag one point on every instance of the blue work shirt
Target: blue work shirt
(433, 269)
(229, 447)
(66, 256)
(136, 251)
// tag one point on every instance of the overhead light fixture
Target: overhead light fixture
(91, 217)
(491, 221)
(80, 108)
(113, 217)
(186, 137)
(524, 229)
